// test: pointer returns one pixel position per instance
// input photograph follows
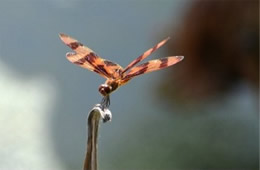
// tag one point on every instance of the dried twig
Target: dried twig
(97, 113)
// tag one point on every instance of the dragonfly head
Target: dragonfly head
(105, 89)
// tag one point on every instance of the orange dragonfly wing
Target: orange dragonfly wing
(145, 54)
(79, 60)
(87, 58)
(152, 65)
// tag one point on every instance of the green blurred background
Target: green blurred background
(199, 114)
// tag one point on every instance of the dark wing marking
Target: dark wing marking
(86, 58)
(80, 61)
(145, 54)
(74, 44)
(152, 65)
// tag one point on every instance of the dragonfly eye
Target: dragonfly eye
(105, 89)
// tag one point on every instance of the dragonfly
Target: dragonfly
(115, 75)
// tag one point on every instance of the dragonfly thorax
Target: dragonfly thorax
(108, 87)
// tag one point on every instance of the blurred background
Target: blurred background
(202, 113)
